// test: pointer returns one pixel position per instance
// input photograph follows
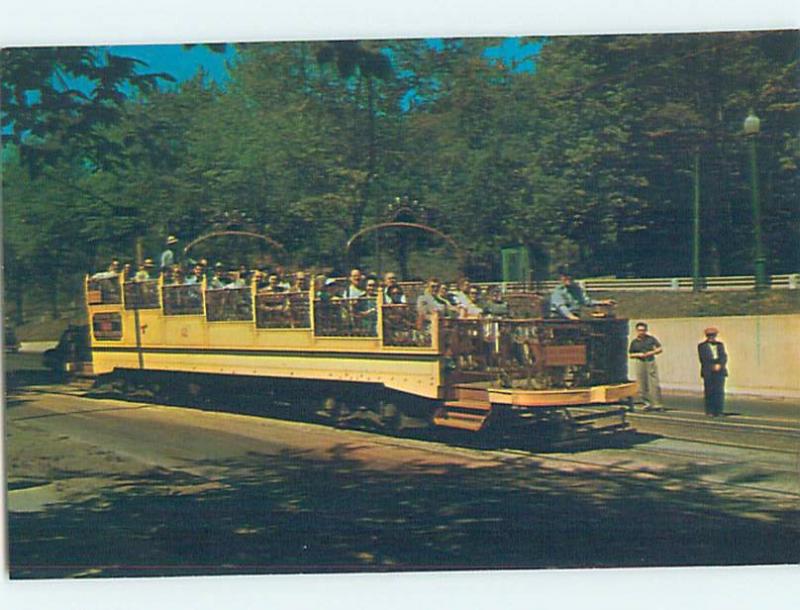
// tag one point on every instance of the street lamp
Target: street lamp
(751, 127)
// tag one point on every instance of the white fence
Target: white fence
(789, 281)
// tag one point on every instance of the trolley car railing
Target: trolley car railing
(229, 305)
(543, 353)
(183, 299)
(283, 310)
(104, 290)
(340, 317)
(402, 327)
(141, 295)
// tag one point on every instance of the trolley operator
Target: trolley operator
(569, 296)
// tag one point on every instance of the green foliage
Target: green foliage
(57, 100)
(587, 159)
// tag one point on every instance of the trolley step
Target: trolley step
(462, 421)
(471, 393)
(469, 405)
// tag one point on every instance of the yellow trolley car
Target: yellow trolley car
(348, 356)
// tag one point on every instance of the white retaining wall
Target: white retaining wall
(763, 353)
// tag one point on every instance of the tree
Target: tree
(57, 100)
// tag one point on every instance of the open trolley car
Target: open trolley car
(363, 358)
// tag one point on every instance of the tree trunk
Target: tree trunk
(19, 314)
(361, 207)
(52, 289)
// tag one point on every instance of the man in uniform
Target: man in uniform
(713, 370)
(569, 296)
(643, 350)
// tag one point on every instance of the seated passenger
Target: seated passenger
(111, 272)
(427, 303)
(497, 306)
(284, 284)
(329, 291)
(368, 306)
(353, 290)
(460, 296)
(444, 297)
(145, 269)
(569, 296)
(197, 275)
(244, 274)
(391, 285)
(238, 282)
(218, 279)
(469, 307)
(273, 284)
(300, 284)
(178, 276)
(394, 295)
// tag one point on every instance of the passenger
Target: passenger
(394, 296)
(460, 296)
(497, 307)
(282, 281)
(218, 279)
(353, 290)
(328, 290)
(476, 296)
(444, 297)
(273, 284)
(390, 284)
(300, 284)
(197, 275)
(569, 296)
(469, 307)
(237, 282)
(427, 303)
(178, 276)
(367, 307)
(111, 272)
(168, 256)
(145, 269)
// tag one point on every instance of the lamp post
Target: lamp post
(752, 125)
(697, 282)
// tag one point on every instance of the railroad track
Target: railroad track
(752, 433)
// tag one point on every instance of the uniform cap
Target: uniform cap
(330, 281)
(172, 240)
(148, 262)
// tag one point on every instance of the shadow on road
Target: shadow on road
(289, 513)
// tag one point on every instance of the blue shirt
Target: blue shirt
(566, 300)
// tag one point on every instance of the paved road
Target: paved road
(111, 488)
